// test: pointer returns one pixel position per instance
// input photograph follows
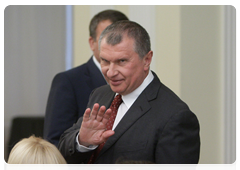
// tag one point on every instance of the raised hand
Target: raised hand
(93, 129)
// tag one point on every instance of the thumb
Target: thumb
(107, 134)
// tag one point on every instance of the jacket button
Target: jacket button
(70, 151)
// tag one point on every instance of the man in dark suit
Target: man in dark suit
(152, 123)
(70, 90)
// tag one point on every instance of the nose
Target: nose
(112, 70)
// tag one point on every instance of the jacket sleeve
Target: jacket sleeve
(179, 142)
(67, 146)
(61, 111)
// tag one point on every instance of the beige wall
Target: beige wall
(81, 49)
(82, 15)
(188, 58)
(168, 43)
(201, 75)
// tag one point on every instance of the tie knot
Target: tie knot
(117, 100)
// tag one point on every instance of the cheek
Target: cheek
(135, 74)
(129, 75)
(104, 71)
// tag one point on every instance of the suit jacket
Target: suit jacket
(68, 98)
(158, 127)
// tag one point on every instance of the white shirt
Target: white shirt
(97, 63)
(128, 100)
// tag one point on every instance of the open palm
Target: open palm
(93, 129)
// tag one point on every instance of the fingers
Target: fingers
(97, 113)
(94, 111)
(86, 114)
(107, 134)
(106, 116)
(100, 113)
(93, 129)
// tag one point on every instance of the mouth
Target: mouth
(115, 82)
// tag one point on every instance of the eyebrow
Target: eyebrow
(102, 58)
(117, 60)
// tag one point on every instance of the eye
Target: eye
(104, 60)
(122, 60)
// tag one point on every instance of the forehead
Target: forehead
(102, 25)
(125, 47)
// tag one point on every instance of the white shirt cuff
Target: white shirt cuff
(81, 148)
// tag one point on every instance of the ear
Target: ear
(147, 60)
(91, 43)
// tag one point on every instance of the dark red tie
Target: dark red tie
(114, 107)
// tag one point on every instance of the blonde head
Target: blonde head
(35, 150)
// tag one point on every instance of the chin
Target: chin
(116, 90)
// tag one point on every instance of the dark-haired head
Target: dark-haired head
(112, 15)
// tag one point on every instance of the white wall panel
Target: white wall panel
(145, 16)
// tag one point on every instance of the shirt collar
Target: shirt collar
(97, 63)
(130, 98)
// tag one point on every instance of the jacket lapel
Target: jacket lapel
(94, 77)
(140, 107)
(132, 115)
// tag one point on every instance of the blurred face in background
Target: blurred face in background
(94, 42)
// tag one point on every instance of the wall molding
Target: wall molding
(69, 37)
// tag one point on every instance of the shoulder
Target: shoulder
(164, 99)
(101, 91)
(73, 73)
(102, 95)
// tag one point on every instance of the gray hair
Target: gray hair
(114, 34)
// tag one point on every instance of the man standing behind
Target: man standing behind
(152, 123)
(70, 90)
